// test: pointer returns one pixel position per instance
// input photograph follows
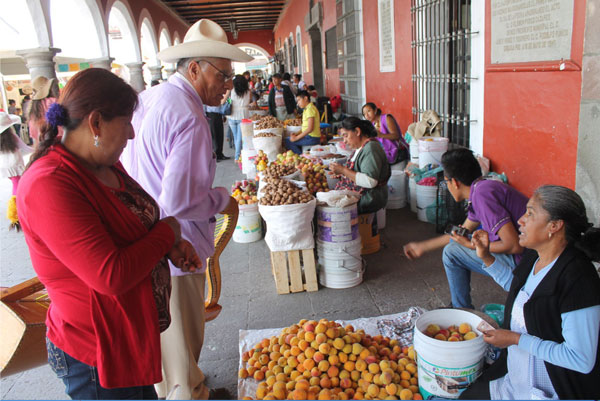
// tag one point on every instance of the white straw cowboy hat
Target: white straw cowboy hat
(41, 87)
(204, 39)
(7, 120)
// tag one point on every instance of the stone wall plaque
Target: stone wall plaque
(531, 30)
(387, 51)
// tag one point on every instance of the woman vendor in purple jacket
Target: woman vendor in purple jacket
(389, 133)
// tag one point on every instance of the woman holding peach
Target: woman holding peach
(552, 311)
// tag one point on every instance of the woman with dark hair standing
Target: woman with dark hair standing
(282, 103)
(389, 133)
(552, 313)
(98, 244)
(45, 92)
(367, 171)
(241, 99)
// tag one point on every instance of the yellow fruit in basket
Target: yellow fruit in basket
(331, 332)
(412, 368)
(470, 335)
(373, 390)
(391, 389)
(412, 354)
(405, 375)
(299, 394)
(406, 394)
(414, 388)
(321, 338)
(309, 336)
(324, 348)
(325, 394)
(339, 343)
(374, 368)
(464, 328)
(357, 349)
(243, 373)
(321, 328)
(432, 330)
(323, 366)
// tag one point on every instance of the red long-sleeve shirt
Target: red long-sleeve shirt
(95, 257)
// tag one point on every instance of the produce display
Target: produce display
(279, 170)
(261, 161)
(282, 192)
(264, 135)
(244, 192)
(332, 156)
(256, 117)
(267, 122)
(296, 122)
(462, 332)
(312, 171)
(254, 106)
(323, 360)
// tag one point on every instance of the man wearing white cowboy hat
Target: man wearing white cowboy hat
(172, 158)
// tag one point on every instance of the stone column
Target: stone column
(103, 62)
(40, 61)
(156, 72)
(136, 76)
(170, 71)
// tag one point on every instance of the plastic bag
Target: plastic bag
(289, 227)
(341, 198)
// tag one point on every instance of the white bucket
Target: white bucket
(249, 225)
(431, 151)
(381, 218)
(340, 264)
(412, 195)
(397, 190)
(248, 166)
(414, 151)
(447, 368)
(337, 224)
(426, 203)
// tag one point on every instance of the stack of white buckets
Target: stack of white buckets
(338, 247)
(248, 151)
(423, 197)
(249, 225)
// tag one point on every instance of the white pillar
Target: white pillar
(103, 62)
(170, 71)
(156, 72)
(40, 61)
(136, 76)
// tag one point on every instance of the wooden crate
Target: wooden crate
(294, 271)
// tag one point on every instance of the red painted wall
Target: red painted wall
(157, 12)
(532, 118)
(293, 16)
(263, 38)
(390, 91)
(332, 75)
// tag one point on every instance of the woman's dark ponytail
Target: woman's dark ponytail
(48, 138)
(367, 129)
(564, 204)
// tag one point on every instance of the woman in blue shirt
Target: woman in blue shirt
(552, 316)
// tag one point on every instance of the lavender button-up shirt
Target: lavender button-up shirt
(172, 159)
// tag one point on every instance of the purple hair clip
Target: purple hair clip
(57, 115)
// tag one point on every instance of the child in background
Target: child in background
(11, 161)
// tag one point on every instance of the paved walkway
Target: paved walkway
(391, 284)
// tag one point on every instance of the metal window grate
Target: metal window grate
(441, 63)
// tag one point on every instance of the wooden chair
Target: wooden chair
(23, 310)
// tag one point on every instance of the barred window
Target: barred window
(441, 43)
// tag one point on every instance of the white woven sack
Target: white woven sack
(289, 227)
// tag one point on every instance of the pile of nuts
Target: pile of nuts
(279, 170)
(256, 117)
(282, 192)
(265, 135)
(268, 122)
(296, 122)
(323, 360)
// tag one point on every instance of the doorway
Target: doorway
(317, 60)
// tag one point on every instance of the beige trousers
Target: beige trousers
(182, 342)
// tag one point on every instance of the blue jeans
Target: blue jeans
(459, 262)
(82, 382)
(296, 147)
(236, 129)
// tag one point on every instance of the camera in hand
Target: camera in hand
(458, 230)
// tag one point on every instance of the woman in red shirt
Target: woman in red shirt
(98, 244)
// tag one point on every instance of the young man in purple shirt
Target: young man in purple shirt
(493, 205)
